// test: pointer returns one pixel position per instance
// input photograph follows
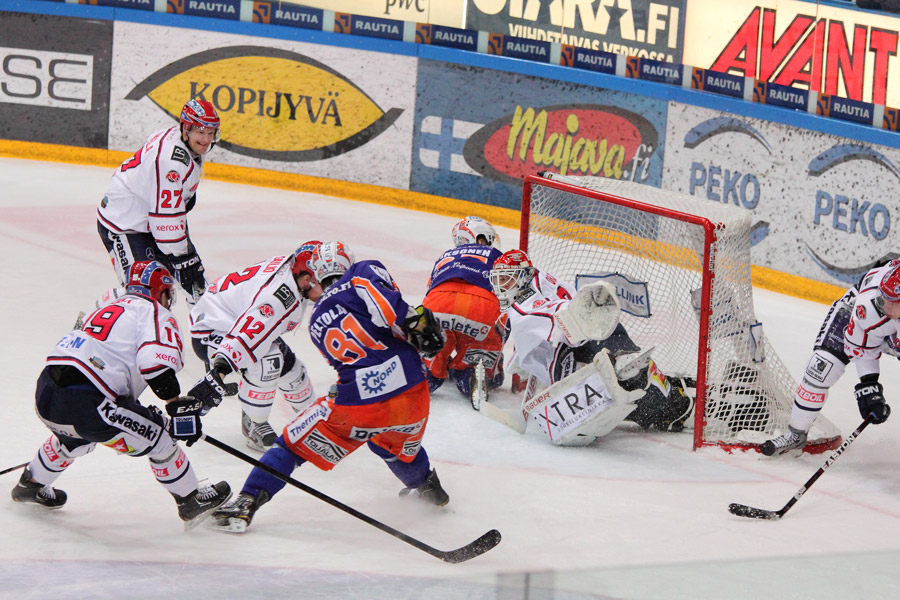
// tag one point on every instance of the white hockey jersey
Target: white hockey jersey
(148, 192)
(122, 345)
(249, 309)
(870, 332)
(534, 333)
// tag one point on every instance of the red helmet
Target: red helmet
(890, 283)
(150, 279)
(302, 257)
(199, 113)
(510, 276)
(329, 261)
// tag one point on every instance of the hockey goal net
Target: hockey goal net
(681, 269)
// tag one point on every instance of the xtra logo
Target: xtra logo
(603, 141)
(302, 111)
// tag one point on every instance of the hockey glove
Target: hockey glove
(185, 422)
(189, 273)
(870, 399)
(210, 390)
(424, 331)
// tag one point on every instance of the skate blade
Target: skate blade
(188, 525)
(234, 526)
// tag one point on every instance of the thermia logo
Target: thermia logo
(305, 111)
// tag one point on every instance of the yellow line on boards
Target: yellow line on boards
(777, 281)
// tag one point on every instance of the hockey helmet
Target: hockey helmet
(510, 276)
(470, 229)
(150, 279)
(329, 261)
(200, 113)
(890, 283)
(302, 257)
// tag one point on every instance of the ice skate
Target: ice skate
(430, 491)
(259, 436)
(237, 516)
(794, 438)
(196, 507)
(29, 490)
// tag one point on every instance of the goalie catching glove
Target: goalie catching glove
(424, 331)
(591, 315)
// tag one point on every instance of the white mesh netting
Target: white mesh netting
(657, 263)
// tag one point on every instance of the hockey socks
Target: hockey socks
(279, 458)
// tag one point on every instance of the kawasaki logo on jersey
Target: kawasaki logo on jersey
(380, 379)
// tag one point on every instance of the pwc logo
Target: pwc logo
(274, 104)
(586, 139)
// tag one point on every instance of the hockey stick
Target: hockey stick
(5, 471)
(742, 510)
(470, 550)
(495, 413)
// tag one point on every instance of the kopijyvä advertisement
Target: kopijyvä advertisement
(286, 106)
(644, 28)
(824, 207)
(480, 144)
(823, 47)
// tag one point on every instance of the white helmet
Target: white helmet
(470, 229)
(329, 261)
(510, 277)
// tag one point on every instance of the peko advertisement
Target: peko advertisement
(824, 207)
(286, 106)
(644, 28)
(819, 47)
(478, 133)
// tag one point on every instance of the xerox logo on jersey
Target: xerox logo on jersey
(604, 141)
(302, 110)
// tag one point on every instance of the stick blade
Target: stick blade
(472, 549)
(742, 510)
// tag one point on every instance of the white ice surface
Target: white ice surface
(637, 515)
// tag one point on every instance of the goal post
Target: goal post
(681, 269)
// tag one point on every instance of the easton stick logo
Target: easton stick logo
(586, 139)
(274, 104)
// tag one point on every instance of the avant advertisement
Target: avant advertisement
(824, 207)
(478, 133)
(837, 51)
(54, 79)
(285, 106)
(644, 28)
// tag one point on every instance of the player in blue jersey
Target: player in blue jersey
(460, 296)
(372, 338)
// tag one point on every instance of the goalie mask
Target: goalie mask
(510, 277)
(150, 279)
(470, 229)
(329, 261)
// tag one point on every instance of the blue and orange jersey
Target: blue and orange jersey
(357, 326)
(471, 263)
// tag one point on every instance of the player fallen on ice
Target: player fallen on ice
(88, 394)
(143, 215)
(372, 337)
(460, 296)
(556, 331)
(237, 326)
(860, 326)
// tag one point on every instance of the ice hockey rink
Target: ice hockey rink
(633, 516)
